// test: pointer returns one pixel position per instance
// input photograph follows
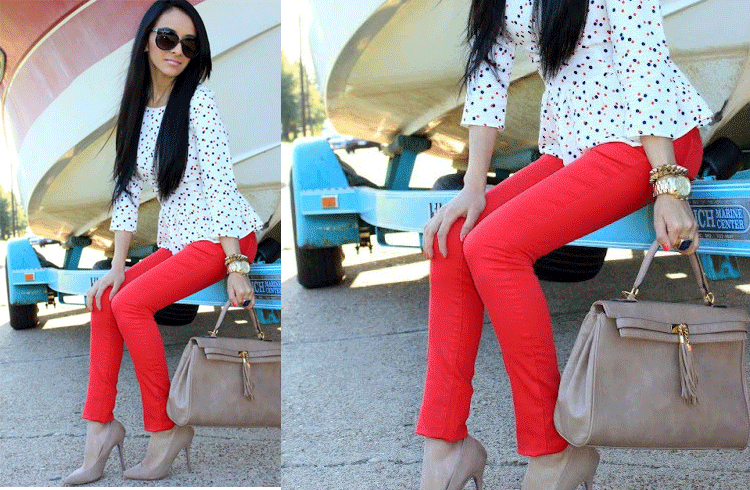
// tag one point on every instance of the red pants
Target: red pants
(538, 209)
(153, 283)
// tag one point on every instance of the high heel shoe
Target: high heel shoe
(470, 463)
(100, 440)
(565, 470)
(163, 448)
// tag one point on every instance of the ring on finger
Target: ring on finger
(685, 244)
(246, 303)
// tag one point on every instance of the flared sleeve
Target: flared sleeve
(487, 88)
(230, 214)
(125, 209)
(660, 99)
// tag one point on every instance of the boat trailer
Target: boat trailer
(30, 282)
(329, 209)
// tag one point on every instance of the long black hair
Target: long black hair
(172, 140)
(558, 24)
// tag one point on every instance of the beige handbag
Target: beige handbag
(227, 382)
(657, 375)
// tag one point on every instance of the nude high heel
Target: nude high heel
(565, 470)
(112, 434)
(470, 463)
(163, 448)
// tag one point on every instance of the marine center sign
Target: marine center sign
(722, 219)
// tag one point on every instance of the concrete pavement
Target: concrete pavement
(353, 369)
(43, 378)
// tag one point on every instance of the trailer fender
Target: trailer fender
(315, 166)
(21, 256)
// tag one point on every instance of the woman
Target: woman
(170, 135)
(616, 114)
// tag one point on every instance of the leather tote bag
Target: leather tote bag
(647, 374)
(227, 382)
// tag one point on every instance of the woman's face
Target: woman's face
(172, 62)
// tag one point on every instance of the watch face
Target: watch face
(245, 267)
(683, 186)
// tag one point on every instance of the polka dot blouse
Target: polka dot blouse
(206, 204)
(619, 84)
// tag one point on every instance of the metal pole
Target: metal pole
(301, 81)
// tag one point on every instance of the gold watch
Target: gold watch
(676, 185)
(241, 266)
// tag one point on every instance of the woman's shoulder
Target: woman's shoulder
(202, 96)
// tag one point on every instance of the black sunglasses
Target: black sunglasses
(167, 39)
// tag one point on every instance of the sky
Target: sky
(291, 12)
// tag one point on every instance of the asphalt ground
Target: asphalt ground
(354, 364)
(43, 380)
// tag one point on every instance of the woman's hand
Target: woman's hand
(114, 278)
(239, 290)
(674, 222)
(469, 204)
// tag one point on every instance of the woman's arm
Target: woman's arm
(239, 288)
(116, 275)
(470, 202)
(673, 218)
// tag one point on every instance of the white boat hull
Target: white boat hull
(395, 69)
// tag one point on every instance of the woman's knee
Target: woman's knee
(498, 247)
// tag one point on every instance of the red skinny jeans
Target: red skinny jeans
(153, 283)
(538, 209)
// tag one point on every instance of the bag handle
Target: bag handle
(700, 276)
(253, 319)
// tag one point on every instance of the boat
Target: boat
(394, 68)
(63, 75)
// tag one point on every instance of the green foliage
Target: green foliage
(291, 110)
(6, 216)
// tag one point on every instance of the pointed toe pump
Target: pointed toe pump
(565, 470)
(470, 463)
(163, 448)
(100, 440)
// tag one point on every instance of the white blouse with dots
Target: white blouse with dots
(206, 204)
(619, 84)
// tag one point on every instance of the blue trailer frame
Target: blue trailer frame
(327, 210)
(29, 283)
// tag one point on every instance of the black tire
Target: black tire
(22, 317)
(316, 267)
(176, 315)
(570, 263)
(102, 265)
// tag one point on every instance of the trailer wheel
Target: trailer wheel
(316, 267)
(22, 317)
(569, 263)
(176, 315)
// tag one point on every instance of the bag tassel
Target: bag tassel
(247, 378)
(688, 377)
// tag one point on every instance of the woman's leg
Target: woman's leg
(455, 319)
(106, 346)
(605, 184)
(161, 280)
(196, 267)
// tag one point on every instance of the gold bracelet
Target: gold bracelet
(664, 170)
(234, 258)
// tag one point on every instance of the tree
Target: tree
(291, 120)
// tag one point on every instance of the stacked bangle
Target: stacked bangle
(235, 258)
(664, 170)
